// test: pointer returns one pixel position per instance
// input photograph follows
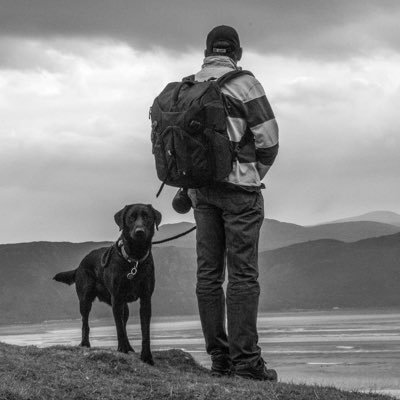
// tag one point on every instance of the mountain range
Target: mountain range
(275, 234)
(386, 217)
(327, 267)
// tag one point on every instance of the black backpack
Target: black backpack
(190, 142)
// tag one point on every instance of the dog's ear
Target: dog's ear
(157, 216)
(119, 217)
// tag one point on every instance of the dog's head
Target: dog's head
(137, 221)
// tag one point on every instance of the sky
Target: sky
(77, 79)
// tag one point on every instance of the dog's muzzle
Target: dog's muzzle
(139, 232)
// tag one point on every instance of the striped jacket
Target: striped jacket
(248, 108)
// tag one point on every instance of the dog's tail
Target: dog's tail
(67, 277)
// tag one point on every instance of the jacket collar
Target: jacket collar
(219, 61)
(214, 67)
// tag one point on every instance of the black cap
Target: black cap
(223, 40)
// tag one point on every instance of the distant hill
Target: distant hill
(27, 291)
(314, 275)
(385, 217)
(276, 234)
(329, 273)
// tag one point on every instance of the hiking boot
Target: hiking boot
(221, 365)
(258, 372)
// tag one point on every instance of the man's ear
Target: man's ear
(119, 217)
(157, 217)
(238, 54)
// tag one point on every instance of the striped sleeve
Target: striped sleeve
(261, 120)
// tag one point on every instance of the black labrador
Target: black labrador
(120, 274)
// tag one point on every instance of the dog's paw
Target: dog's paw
(126, 348)
(147, 358)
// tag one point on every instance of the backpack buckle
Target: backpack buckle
(195, 125)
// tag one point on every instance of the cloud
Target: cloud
(339, 137)
(306, 29)
(74, 134)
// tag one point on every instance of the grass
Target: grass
(62, 372)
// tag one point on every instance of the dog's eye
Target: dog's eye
(132, 217)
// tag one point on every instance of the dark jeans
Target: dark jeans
(228, 225)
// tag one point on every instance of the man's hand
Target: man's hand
(262, 169)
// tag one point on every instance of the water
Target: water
(346, 349)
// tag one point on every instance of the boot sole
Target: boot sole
(249, 375)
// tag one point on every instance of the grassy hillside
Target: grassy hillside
(74, 373)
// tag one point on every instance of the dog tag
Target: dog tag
(133, 272)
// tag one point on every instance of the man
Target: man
(229, 217)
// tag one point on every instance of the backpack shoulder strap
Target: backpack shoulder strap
(188, 78)
(247, 137)
(222, 80)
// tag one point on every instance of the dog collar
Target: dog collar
(133, 261)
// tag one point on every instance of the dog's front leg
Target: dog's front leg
(145, 316)
(118, 308)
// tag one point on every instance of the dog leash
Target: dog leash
(175, 237)
(107, 255)
(135, 263)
